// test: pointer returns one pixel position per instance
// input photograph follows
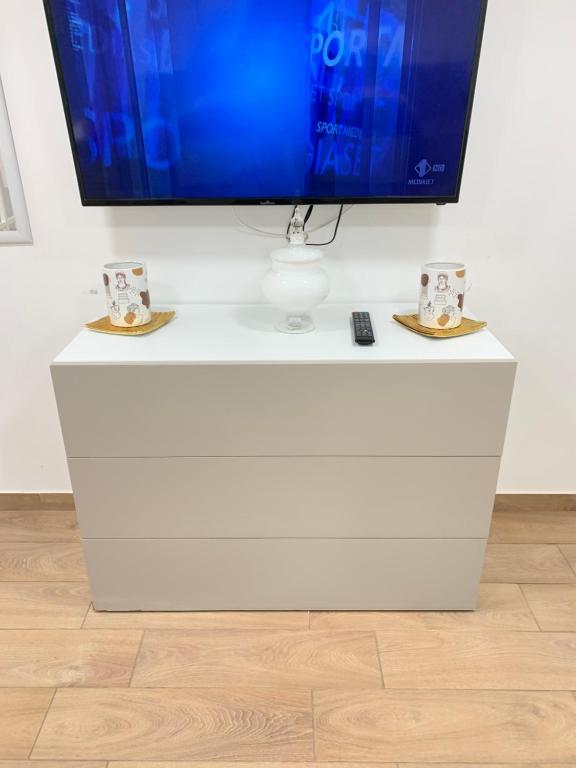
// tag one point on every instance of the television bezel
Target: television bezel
(273, 201)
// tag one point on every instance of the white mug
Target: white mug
(442, 290)
(127, 296)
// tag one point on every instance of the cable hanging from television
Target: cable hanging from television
(306, 219)
(336, 228)
(336, 219)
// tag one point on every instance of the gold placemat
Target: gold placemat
(467, 326)
(103, 325)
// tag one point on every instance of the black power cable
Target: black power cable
(329, 242)
(290, 220)
(307, 217)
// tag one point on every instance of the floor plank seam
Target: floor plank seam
(83, 625)
(32, 748)
(136, 658)
(313, 724)
(43, 581)
(572, 567)
(379, 657)
(50, 541)
(520, 586)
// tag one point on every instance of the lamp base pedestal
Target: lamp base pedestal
(295, 324)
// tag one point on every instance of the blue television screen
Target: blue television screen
(269, 101)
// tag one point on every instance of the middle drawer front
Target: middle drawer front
(291, 497)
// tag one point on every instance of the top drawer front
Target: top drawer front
(429, 409)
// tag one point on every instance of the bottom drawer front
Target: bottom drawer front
(284, 574)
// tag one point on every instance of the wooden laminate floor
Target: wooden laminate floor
(81, 689)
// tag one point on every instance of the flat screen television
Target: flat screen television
(175, 102)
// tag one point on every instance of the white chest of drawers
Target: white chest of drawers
(219, 465)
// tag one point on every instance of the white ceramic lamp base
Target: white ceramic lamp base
(296, 284)
(295, 324)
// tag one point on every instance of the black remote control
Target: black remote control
(363, 333)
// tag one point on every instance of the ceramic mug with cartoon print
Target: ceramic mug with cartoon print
(127, 296)
(442, 290)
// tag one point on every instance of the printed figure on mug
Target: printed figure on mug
(442, 290)
(127, 295)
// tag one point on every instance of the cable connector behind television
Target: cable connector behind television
(296, 234)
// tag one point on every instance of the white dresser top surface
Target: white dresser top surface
(245, 333)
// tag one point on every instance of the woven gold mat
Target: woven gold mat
(467, 326)
(103, 325)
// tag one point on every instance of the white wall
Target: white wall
(515, 228)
